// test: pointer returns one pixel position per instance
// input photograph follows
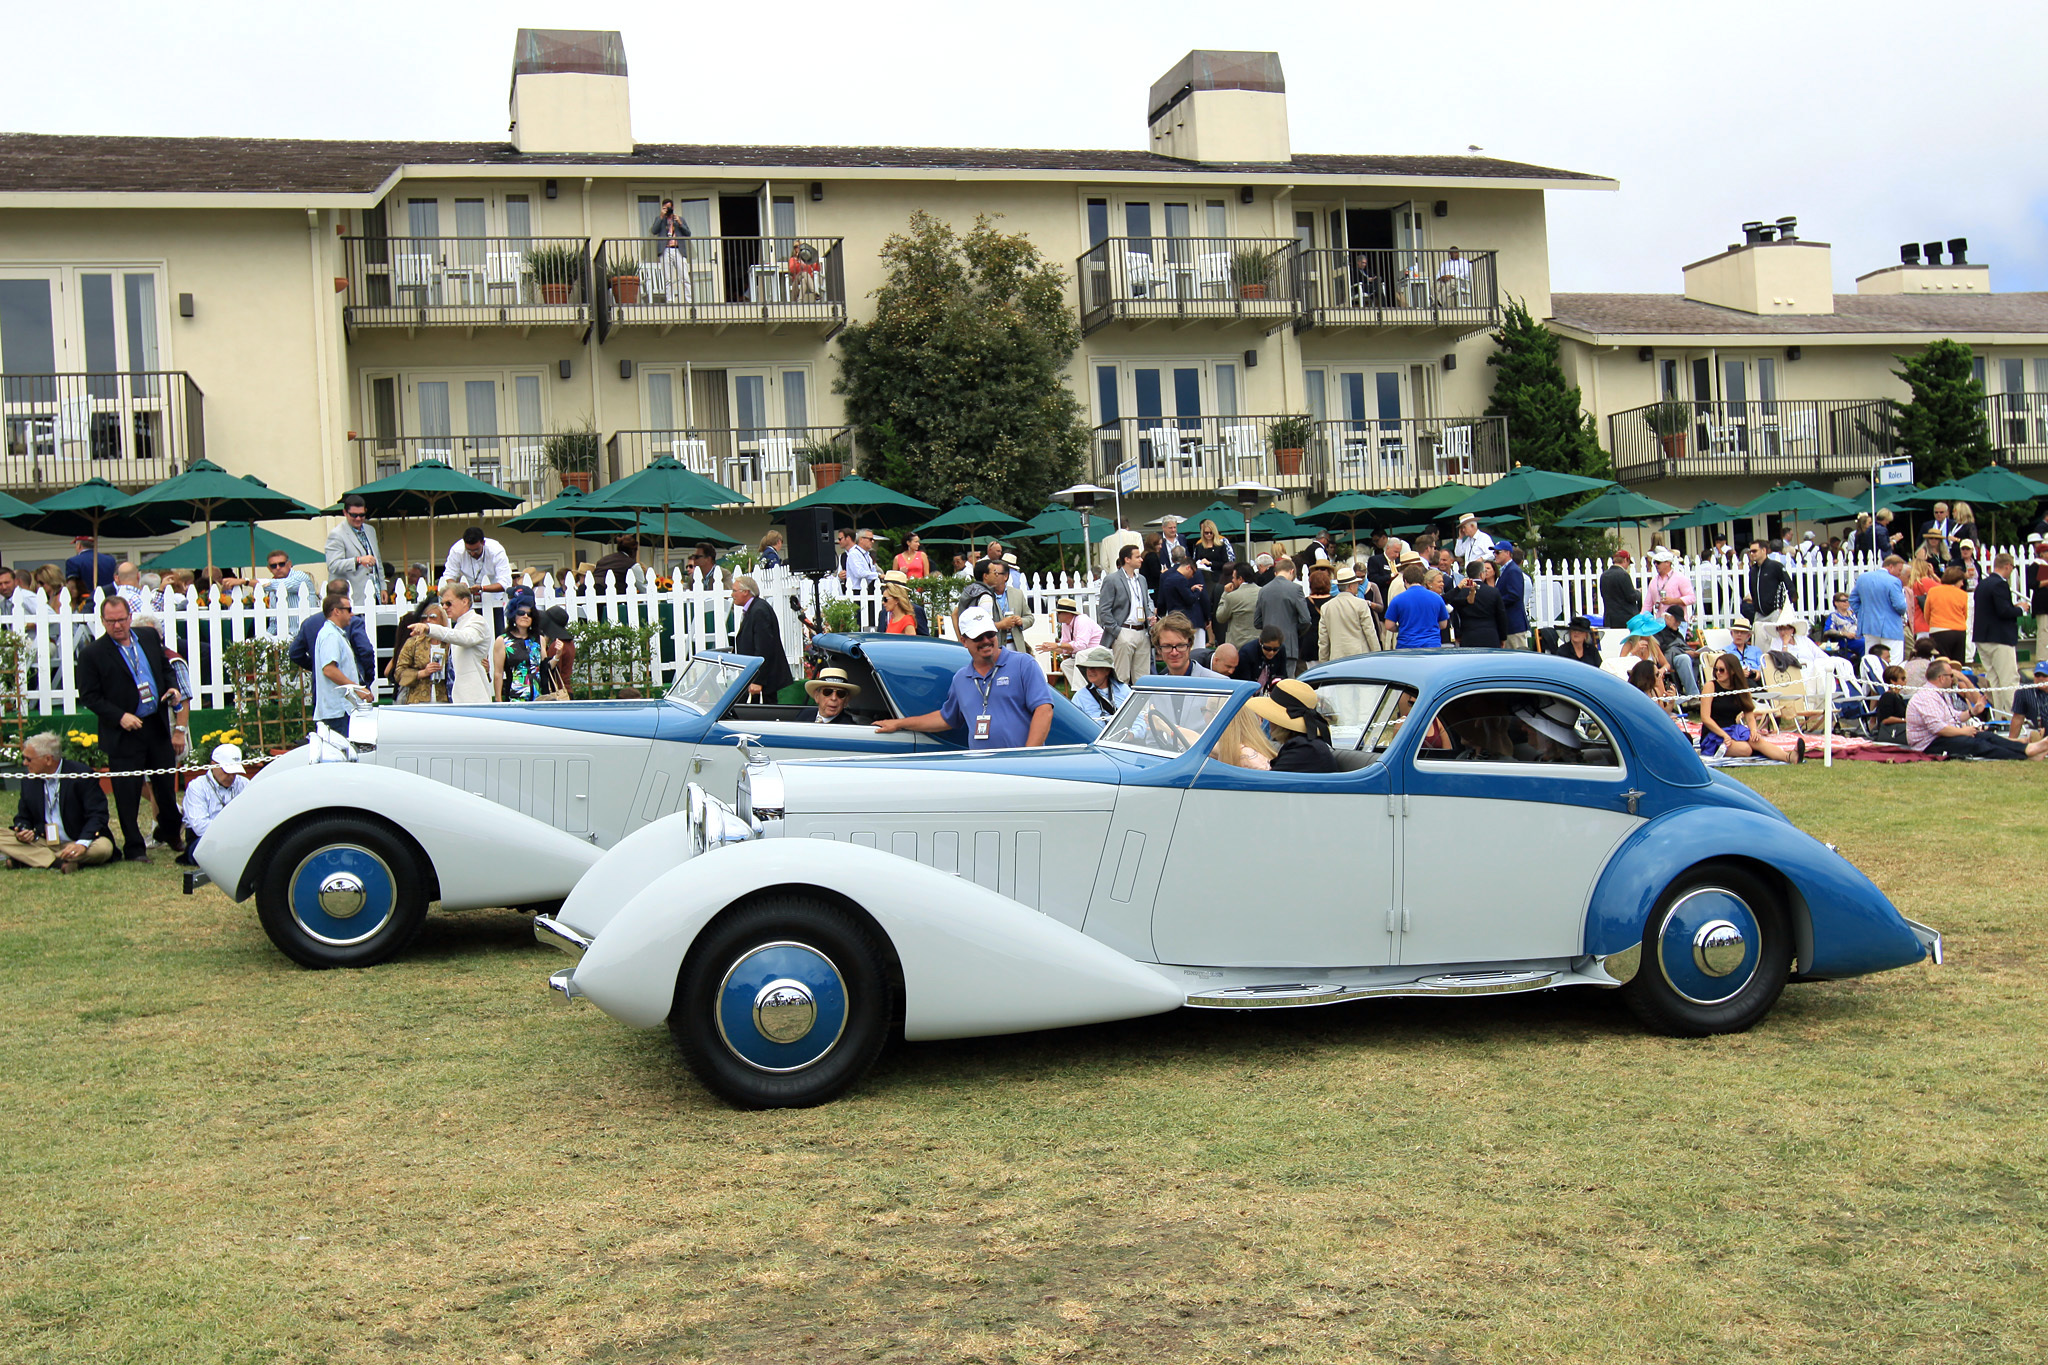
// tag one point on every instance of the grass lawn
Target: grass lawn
(214, 1155)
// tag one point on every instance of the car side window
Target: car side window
(1365, 716)
(1517, 727)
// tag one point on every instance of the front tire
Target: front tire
(783, 1004)
(342, 891)
(1717, 952)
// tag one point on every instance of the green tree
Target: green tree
(959, 384)
(1547, 426)
(1942, 428)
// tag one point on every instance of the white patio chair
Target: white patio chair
(1138, 274)
(694, 455)
(1721, 436)
(410, 271)
(1212, 270)
(1158, 442)
(1393, 446)
(1244, 450)
(503, 270)
(1454, 456)
(777, 455)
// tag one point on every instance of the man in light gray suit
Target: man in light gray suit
(1123, 608)
(1282, 603)
(352, 551)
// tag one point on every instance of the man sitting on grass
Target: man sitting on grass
(2030, 706)
(1938, 722)
(59, 823)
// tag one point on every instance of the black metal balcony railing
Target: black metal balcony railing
(770, 465)
(1396, 288)
(1786, 437)
(466, 281)
(1199, 454)
(720, 280)
(129, 429)
(2019, 426)
(516, 463)
(1216, 278)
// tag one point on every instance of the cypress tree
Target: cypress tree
(1547, 425)
(1942, 428)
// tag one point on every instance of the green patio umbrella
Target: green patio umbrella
(1350, 507)
(12, 507)
(206, 493)
(1796, 501)
(1275, 524)
(854, 496)
(430, 488)
(1061, 525)
(1228, 518)
(96, 508)
(1618, 506)
(1522, 487)
(972, 517)
(225, 538)
(1954, 491)
(1704, 513)
(666, 485)
(1994, 483)
(672, 526)
(568, 513)
(1442, 496)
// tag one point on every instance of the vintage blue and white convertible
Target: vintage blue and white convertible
(473, 806)
(1499, 822)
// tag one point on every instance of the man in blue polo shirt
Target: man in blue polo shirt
(1000, 698)
(1417, 613)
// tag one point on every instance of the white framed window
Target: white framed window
(727, 397)
(97, 319)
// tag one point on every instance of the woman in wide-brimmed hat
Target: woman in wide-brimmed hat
(1292, 718)
(831, 690)
(1100, 694)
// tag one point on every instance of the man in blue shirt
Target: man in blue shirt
(335, 675)
(1741, 646)
(1001, 698)
(1513, 588)
(93, 570)
(1418, 614)
(301, 652)
(1879, 601)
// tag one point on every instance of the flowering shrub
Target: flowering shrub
(83, 746)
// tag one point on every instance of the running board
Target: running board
(1298, 994)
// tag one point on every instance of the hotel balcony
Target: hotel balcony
(1782, 438)
(516, 463)
(1406, 455)
(467, 282)
(770, 465)
(2019, 427)
(1447, 290)
(1197, 455)
(1187, 280)
(721, 282)
(129, 429)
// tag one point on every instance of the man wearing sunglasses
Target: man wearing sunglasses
(286, 586)
(352, 552)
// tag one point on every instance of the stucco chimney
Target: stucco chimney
(569, 91)
(1221, 106)
(1785, 277)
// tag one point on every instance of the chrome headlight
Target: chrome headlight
(760, 795)
(712, 822)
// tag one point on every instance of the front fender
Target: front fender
(483, 853)
(1851, 927)
(974, 962)
(626, 869)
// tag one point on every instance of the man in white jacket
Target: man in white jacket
(469, 647)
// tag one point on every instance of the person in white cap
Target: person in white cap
(206, 797)
(1472, 543)
(1000, 697)
(1668, 583)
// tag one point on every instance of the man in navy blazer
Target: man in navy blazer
(1513, 586)
(78, 836)
(124, 680)
(1178, 591)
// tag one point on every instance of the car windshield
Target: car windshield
(1364, 715)
(1163, 721)
(703, 682)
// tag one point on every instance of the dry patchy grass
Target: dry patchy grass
(213, 1155)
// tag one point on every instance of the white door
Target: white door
(1374, 434)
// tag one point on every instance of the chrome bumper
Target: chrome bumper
(555, 934)
(1930, 939)
(564, 981)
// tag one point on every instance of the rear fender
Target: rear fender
(1844, 925)
(482, 853)
(974, 962)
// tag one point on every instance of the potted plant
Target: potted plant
(1289, 437)
(573, 455)
(625, 290)
(826, 458)
(1253, 270)
(556, 270)
(1669, 420)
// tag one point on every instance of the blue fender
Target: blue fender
(1850, 928)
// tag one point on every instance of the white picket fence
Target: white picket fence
(699, 614)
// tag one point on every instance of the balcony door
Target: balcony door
(104, 321)
(1375, 441)
(488, 426)
(1167, 401)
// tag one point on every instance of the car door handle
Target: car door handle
(1632, 796)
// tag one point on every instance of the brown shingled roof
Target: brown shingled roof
(142, 165)
(1674, 314)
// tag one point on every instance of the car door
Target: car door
(1512, 800)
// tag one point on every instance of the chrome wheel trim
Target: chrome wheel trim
(781, 1007)
(1709, 946)
(342, 895)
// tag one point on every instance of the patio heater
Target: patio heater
(1081, 497)
(1248, 492)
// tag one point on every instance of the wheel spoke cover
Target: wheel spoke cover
(781, 1007)
(343, 894)
(1709, 946)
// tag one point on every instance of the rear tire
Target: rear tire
(342, 891)
(785, 1003)
(1717, 952)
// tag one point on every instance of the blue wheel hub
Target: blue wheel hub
(782, 1007)
(1709, 946)
(343, 894)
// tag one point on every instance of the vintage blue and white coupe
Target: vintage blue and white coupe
(1500, 822)
(476, 806)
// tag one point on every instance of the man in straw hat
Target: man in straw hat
(831, 690)
(1291, 719)
(1000, 697)
(1472, 543)
(1345, 626)
(1074, 634)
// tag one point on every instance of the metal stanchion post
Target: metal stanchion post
(1827, 717)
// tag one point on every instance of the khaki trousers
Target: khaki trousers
(43, 853)
(2002, 664)
(1132, 653)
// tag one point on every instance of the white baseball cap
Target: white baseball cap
(228, 758)
(976, 622)
(1660, 555)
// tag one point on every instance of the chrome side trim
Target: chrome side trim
(1929, 938)
(564, 981)
(1621, 967)
(1299, 995)
(555, 934)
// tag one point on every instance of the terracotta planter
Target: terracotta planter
(554, 295)
(825, 475)
(1251, 291)
(1674, 445)
(625, 290)
(1289, 461)
(577, 479)
(106, 784)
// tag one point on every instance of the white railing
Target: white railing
(698, 616)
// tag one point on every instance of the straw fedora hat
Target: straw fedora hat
(1285, 704)
(832, 679)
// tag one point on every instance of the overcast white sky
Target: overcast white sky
(1874, 122)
